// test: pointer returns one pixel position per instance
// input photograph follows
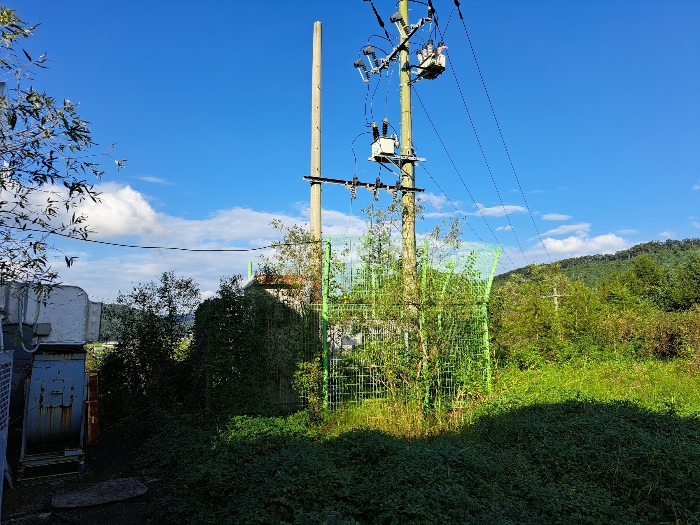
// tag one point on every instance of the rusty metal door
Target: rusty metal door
(55, 398)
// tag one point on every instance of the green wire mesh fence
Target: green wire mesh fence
(372, 344)
(376, 345)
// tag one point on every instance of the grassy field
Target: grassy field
(581, 442)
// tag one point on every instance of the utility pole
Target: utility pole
(408, 200)
(315, 210)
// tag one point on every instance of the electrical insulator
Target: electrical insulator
(397, 19)
(385, 127)
(362, 68)
(419, 56)
(369, 51)
(377, 186)
(430, 47)
(375, 131)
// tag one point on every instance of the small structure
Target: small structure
(45, 338)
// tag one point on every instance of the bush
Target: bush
(545, 316)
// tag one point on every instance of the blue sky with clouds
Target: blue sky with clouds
(598, 102)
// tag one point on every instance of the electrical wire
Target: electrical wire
(483, 154)
(369, 43)
(457, 170)
(379, 19)
(352, 147)
(369, 84)
(374, 94)
(486, 162)
(498, 126)
(464, 217)
(386, 100)
(50, 232)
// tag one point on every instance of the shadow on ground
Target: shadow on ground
(572, 462)
(114, 457)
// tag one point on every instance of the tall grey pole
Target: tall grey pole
(316, 135)
(315, 211)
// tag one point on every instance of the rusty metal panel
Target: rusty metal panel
(93, 420)
(54, 404)
(54, 413)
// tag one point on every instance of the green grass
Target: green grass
(605, 442)
(653, 384)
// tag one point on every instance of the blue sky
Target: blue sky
(598, 102)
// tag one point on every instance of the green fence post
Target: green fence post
(487, 348)
(208, 374)
(324, 331)
(423, 331)
(250, 269)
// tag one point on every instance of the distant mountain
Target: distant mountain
(593, 268)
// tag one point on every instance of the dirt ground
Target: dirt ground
(113, 457)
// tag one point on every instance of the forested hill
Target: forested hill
(592, 268)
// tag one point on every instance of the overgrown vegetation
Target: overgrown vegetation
(648, 310)
(591, 269)
(143, 372)
(539, 451)
(594, 415)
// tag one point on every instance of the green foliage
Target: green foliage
(591, 269)
(686, 290)
(433, 351)
(45, 152)
(150, 324)
(230, 358)
(308, 378)
(540, 451)
(647, 310)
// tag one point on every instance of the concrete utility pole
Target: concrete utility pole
(316, 134)
(408, 199)
(315, 211)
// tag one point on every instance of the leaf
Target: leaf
(27, 55)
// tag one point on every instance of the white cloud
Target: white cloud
(668, 234)
(580, 229)
(697, 185)
(555, 217)
(696, 224)
(155, 180)
(504, 228)
(497, 211)
(580, 245)
(436, 201)
(103, 271)
(121, 211)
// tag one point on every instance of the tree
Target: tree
(150, 324)
(46, 152)
(686, 289)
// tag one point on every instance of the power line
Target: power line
(379, 19)
(457, 171)
(466, 221)
(483, 155)
(160, 247)
(498, 126)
